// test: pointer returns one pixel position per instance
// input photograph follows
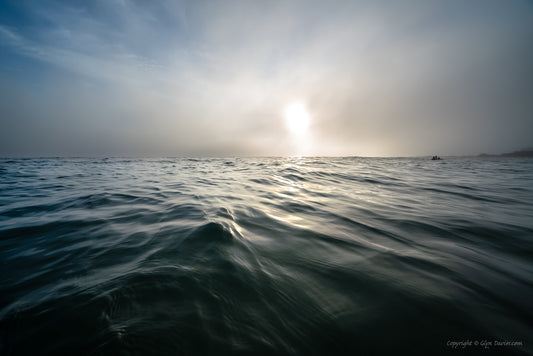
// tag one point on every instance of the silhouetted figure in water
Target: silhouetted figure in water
(435, 158)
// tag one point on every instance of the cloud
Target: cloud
(379, 78)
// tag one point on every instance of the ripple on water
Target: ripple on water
(263, 255)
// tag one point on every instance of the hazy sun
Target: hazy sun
(297, 118)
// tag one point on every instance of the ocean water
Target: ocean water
(266, 256)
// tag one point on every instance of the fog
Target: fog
(202, 78)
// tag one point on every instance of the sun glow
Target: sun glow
(297, 118)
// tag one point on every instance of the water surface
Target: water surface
(265, 255)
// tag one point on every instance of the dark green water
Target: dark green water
(266, 256)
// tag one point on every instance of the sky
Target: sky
(218, 78)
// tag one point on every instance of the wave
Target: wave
(263, 255)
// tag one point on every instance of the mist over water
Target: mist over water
(265, 255)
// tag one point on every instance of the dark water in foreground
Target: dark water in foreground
(265, 256)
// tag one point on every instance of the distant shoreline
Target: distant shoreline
(520, 153)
